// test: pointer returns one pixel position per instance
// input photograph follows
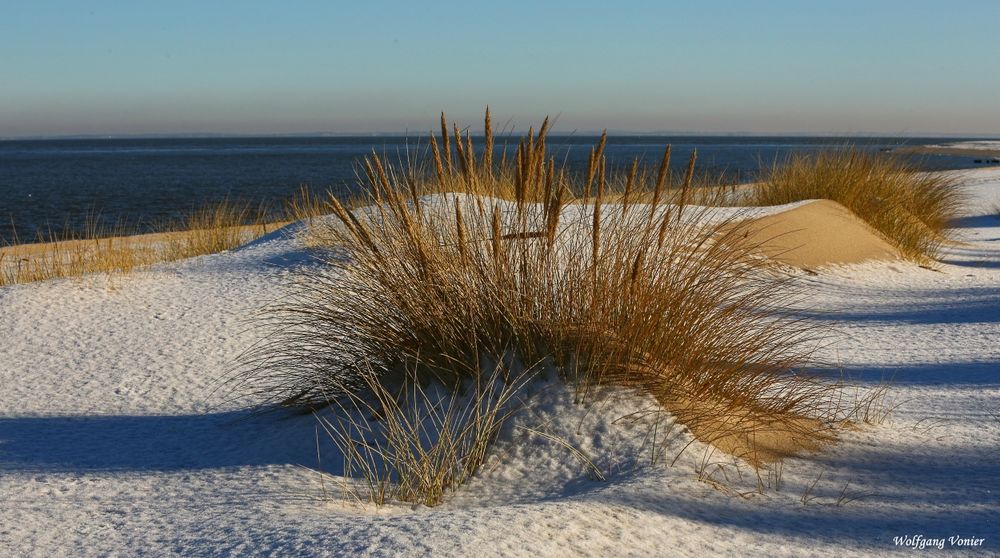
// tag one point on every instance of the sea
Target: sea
(53, 188)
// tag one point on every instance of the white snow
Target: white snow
(115, 438)
(983, 145)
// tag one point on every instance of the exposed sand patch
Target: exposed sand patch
(817, 234)
(758, 438)
(753, 434)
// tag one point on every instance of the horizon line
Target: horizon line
(409, 133)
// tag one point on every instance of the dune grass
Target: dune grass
(909, 208)
(121, 249)
(421, 442)
(646, 293)
(212, 229)
(305, 206)
(96, 249)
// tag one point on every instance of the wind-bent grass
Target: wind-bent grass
(647, 293)
(909, 208)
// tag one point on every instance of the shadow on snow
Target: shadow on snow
(160, 443)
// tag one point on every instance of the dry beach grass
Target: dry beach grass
(908, 208)
(121, 249)
(499, 273)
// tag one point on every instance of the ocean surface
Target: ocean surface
(52, 187)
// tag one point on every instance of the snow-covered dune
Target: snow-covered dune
(118, 435)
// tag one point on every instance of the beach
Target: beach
(119, 433)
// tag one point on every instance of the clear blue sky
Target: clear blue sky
(843, 66)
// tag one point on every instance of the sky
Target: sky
(102, 67)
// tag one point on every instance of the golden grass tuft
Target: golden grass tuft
(631, 287)
(909, 208)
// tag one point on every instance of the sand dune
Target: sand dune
(114, 438)
(818, 234)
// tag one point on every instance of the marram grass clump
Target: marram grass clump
(909, 208)
(468, 259)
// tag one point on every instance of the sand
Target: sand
(818, 234)
(115, 441)
(757, 438)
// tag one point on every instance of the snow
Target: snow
(117, 436)
(984, 145)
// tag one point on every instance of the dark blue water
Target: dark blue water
(48, 186)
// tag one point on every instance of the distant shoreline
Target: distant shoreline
(956, 151)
